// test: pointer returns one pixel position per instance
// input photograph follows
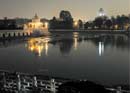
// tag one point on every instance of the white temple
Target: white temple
(101, 12)
(36, 24)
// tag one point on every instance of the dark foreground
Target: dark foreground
(14, 82)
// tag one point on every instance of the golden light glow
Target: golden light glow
(75, 35)
(75, 23)
(38, 45)
(36, 24)
(116, 26)
(46, 24)
(126, 26)
(75, 43)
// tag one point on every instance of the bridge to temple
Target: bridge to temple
(14, 33)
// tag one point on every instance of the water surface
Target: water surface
(100, 58)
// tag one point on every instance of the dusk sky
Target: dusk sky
(80, 9)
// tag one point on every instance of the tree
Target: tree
(108, 23)
(80, 23)
(99, 22)
(65, 21)
(65, 15)
(122, 21)
(113, 19)
(89, 25)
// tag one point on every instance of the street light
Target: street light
(75, 23)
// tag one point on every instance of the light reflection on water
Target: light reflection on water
(38, 45)
(101, 48)
(101, 58)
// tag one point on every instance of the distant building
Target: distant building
(21, 21)
(34, 24)
(101, 12)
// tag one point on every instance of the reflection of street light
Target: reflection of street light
(101, 48)
(46, 48)
(75, 35)
(75, 43)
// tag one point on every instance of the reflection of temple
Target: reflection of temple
(38, 45)
(65, 46)
(36, 24)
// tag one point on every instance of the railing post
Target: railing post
(118, 89)
(53, 88)
(19, 82)
(35, 81)
(4, 80)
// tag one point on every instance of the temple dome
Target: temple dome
(36, 18)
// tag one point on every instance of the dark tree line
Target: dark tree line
(7, 24)
(103, 22)
(11, 24)
(65, 21)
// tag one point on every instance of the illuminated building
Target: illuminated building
(101, 12)
(36, 24)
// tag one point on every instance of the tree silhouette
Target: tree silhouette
(98, 22)
(108, 23)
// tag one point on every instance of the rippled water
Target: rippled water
(100, 58)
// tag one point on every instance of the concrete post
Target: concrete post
(119, 89)
(19, 82)
(35, 81)
(4, 80)
(53, 88)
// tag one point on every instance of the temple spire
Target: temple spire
(36, 16)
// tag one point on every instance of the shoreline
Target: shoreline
(19, 34)
(91, 31)
(69, 30)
